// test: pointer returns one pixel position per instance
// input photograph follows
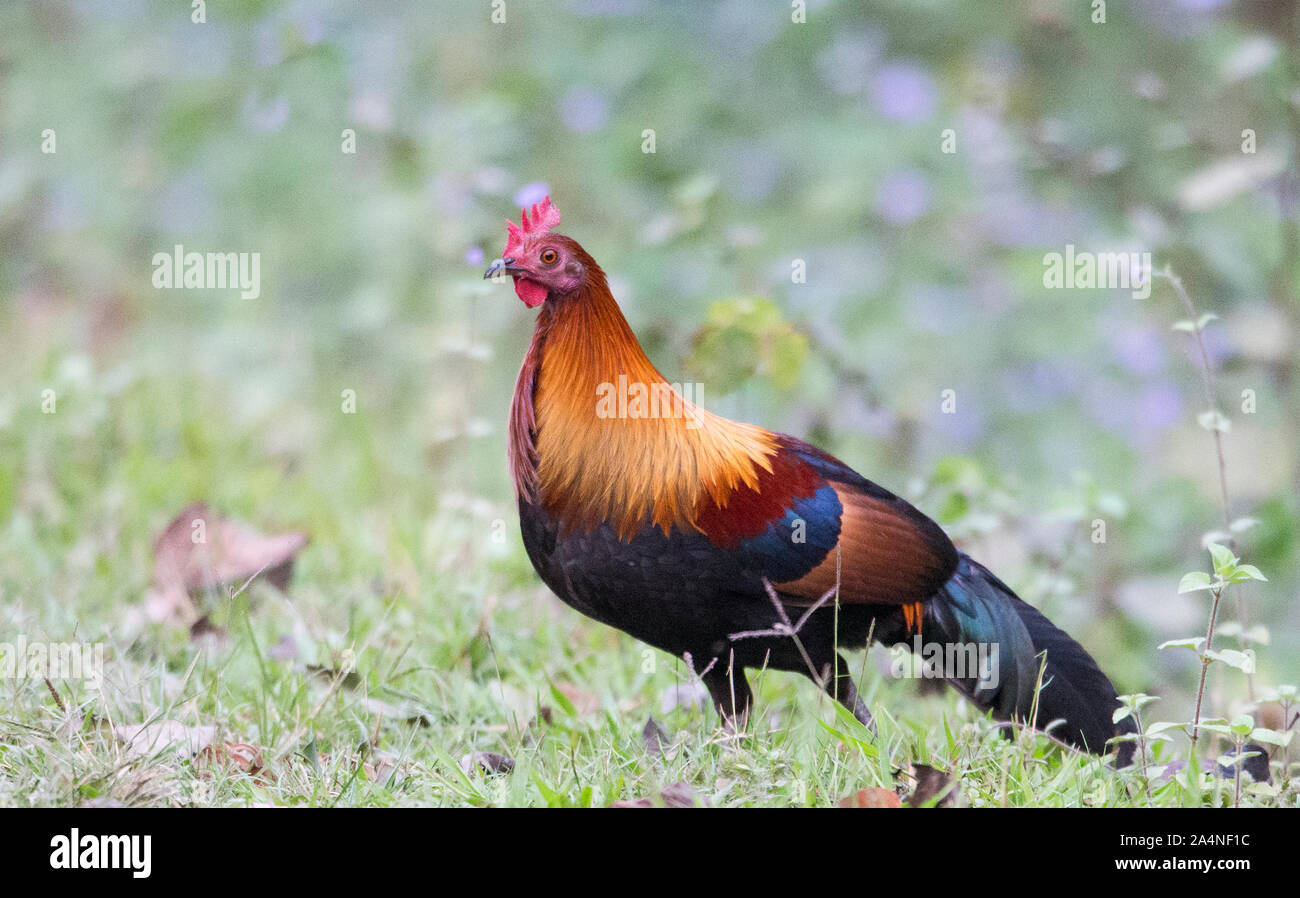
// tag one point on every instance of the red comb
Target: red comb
(545, 217)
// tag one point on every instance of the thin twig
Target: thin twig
(1205, 664)
(784, 628)
(1207, 381)
(58, 699)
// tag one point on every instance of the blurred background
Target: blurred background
(774, 142)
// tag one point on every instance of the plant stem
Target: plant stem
(1205, 664)
(1142, 752)
(1207, 381)
(1236, 798)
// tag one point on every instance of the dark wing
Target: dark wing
(813, 512)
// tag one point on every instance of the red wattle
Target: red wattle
(532, 293)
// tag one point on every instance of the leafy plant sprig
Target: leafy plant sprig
(1228, 570)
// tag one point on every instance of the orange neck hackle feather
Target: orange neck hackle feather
(586, 469)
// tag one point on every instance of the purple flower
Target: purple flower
(903, 197)
(474, 256)
(532, 193)
(1139, 350)
(904, 92)
(1159, 407)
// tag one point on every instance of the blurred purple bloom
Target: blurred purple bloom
(965, 426)
(904, 92)
(1159, 407)
(583, 110)
(903, 197)
(1139, 350)
(1140, 418)
(1218, 346)
(1036, 386)
(474, 256)
(532, 193)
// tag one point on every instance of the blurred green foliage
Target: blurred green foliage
(774, 142)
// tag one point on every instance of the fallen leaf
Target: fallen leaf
(164, 735)
(240, 755)
(633, 803)
(872, 798)
(488, 761)
(204, 628)
(691, 694)
(350, 678)
(678, 795)
(389, 711)
(383, 770)
(583, 702)
(932, 784)
(654, 734)
(200, 550)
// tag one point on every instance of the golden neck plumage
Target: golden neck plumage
(587, 457)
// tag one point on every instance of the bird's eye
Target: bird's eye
(549, 256)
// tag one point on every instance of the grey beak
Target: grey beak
(500, 266)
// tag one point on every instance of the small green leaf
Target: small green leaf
(1160, 726)
(1242, 724)
(1191, 642)
(1243, 524)
(1121, 713)
(1193, 581)
(1250, 572)
(1271, 737)
(1186, 325)
(1205, 319)
(1221, 728)
(1242, 661)
(1224, 560)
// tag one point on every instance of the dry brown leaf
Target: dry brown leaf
(654, 735)
(239, 755)
(871, 798)
(201, 550)
(931, 784)
(677, 795)
(583, 702)
(488, 761)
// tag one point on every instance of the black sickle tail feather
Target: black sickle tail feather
(976, 607)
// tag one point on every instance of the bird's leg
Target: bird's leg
(842, 689)
(731, 695)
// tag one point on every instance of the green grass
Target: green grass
(168, 132)
(455, 646)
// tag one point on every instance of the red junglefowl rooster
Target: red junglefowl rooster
(705, 537)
